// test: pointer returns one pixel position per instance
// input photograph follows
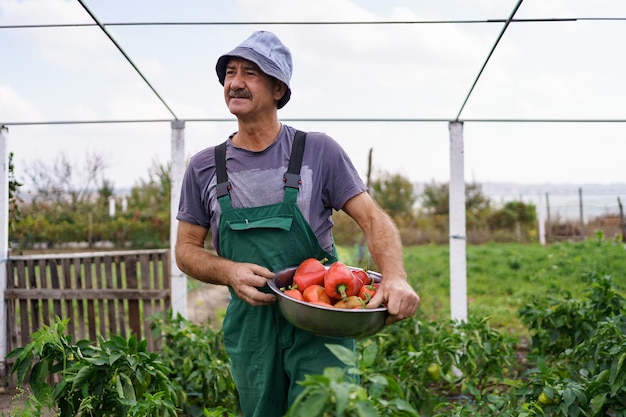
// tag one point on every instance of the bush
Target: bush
(198, 365)
(117, 378)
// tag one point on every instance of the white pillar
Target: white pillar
(111, 207)
(541, 219)
(458, 267)
(178, 278)
(4, 243)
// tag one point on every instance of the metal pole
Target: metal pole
(621, 217)
(548, 223)
(4, 245)
(178, 279)
(582, 219)
(458, 241)
(541, 222)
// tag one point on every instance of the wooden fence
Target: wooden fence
(103, 293)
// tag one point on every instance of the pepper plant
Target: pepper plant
(336, 392)
(116, 377)
(198, 365)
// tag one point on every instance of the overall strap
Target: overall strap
(223, 185)
(292, 177)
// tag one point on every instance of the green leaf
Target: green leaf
(341, 393)
(312, 405)
(402, 405)
(132, 342)
(369, 355)
(22, 368)
(38, 379)
(330, 374)
(114, 357)
(603, 376)
(82, 377)
(379, 384)
(616, 368)
(129, 390)
(118, 386)
(597, 403)
(187, 366)
(59, 389)
(568, 397)
(365, 409)
(16, 353)
(345, 355)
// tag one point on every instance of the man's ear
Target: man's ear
(279, 90)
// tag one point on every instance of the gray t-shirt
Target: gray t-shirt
(329, 180)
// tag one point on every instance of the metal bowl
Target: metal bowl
(327, 321)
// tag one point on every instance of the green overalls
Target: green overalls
(268, 354)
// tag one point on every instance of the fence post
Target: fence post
(621, 217)
(458, 241)
(582, 219)
(178, 285)
(541, 222)
(548, 223)
(4, 248)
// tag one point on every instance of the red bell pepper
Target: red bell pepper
(316, 294)
(294, 293)
(309, 272)
(311, 265)
(362, 276)
(340, 283)
(367, 292)
(304, 280)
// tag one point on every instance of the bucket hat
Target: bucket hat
(269, 53)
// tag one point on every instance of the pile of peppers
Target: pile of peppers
(338, 286)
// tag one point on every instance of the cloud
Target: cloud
(39, 12)
(15, 107)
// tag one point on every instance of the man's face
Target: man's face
(248, 90)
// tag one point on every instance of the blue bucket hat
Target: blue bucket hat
(268, 52)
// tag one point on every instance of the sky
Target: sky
(540, 70)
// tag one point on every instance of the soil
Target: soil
(205, 304)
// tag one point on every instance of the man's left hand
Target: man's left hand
(398, 296)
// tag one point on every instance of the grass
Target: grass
(502, 277)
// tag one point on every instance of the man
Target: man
(262, 219)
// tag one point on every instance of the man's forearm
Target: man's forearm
(385, 246)
(201, 264)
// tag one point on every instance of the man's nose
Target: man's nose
(236, 81)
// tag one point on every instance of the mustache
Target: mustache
(241, 93)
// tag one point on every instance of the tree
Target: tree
(394, 193)
(150, 207)
(71, 205)
(436, 199)
(64, 183)
(14, 194)
(61, 207)
(152, 196)
(513, 214)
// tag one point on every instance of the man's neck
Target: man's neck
(256, 136)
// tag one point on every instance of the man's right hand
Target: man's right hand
(246, 279)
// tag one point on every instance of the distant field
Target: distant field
(502, 277)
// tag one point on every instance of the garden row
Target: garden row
(572, 365)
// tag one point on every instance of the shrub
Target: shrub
(198, 365)
(116, 378)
